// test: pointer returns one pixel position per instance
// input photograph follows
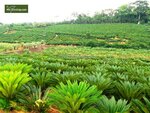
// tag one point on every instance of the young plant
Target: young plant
(106, 105)
(100, 81)
(4, 104)
(36, 100)
(11, 83)
(24, 68)
(75, 98)
(141, 107)
(41, 79)
(130, 90)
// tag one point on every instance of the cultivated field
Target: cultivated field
(102, 68)
(94, 35)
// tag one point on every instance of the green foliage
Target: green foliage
(65, 76)
(74, 97)
(4, 104)
(93, 35)
(36, 99)
(100, 81)
(11, 83)
(106, 105)
(41, 79)
(24, 68)
(141, 107)
(121, 73)
(130, 90)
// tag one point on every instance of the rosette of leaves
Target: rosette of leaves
(11, 83)
(99, 80)
(129, 90)
(141, 106)
(106, 105)
(36, 99)
(42, 79)
(75, 97)
(24, 68)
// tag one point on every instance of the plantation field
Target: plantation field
(111, 80)
(75, 68)
(93, 35)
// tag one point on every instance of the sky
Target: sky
(56, 10)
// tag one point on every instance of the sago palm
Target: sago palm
(130, 90)
(74, 97)
(141, 107)
(11, 83)
(106, 105)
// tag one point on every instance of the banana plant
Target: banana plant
(75, 98)
(106, 105)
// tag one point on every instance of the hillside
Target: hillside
(104, 35)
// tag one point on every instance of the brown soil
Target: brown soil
(38, 48)
(31, 49)
(53, 110)
(14, 111)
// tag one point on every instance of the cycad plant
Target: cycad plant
(74, 97)
(130, 90)
(67, 75)
(36, 100)
(4, 104)
(141, 107)
(41, 79)
(24, 68)
(12, 79)
(11, 83)
(106, 105)
(100, 81)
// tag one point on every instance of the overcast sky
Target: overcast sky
(56, 10)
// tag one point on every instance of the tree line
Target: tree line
(136, 12)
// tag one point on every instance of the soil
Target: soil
(20, 50)
(52, 110)
(14, 111)
(38, 48)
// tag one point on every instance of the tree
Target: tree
(141, 8)
(83, 19)
(125, 14)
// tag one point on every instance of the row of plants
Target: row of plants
(73, 80)
(35, 92)
(100, 35)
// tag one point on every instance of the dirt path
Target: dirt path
(37, 48)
